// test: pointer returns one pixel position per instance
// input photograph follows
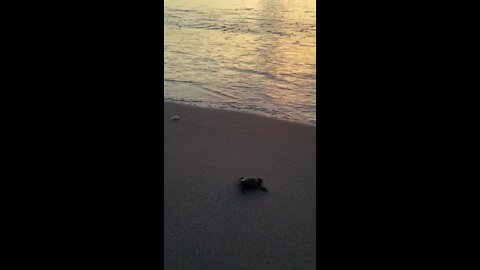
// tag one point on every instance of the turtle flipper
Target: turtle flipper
(264, 189)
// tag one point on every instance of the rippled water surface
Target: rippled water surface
(257, 56)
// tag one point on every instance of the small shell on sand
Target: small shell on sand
(175, 118)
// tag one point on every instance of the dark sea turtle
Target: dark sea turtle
(252, 183)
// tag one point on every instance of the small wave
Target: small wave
(220, 93)
(179, 81)
(266, 74)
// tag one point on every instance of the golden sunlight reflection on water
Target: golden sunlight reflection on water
(249, 55)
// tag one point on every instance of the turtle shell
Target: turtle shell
(250, 182)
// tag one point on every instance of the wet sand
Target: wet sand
(208, 222)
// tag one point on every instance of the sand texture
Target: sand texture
(208, 222)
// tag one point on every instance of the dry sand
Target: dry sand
(208, 222)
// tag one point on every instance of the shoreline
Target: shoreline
(258, 113)
(208, 222)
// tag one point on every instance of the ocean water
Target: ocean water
(248, 55)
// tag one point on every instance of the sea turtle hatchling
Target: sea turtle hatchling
(252, 183)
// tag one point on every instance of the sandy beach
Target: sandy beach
(208, 222)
